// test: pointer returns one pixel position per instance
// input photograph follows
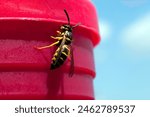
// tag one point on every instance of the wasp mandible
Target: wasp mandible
(64, 44)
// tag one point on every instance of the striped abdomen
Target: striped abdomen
(64, 54)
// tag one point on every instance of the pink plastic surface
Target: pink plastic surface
(24, 71)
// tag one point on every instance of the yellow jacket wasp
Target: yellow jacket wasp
(64, 43)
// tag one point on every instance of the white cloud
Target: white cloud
(105, 30)
(137, 35)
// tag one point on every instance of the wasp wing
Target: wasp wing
(71, 62)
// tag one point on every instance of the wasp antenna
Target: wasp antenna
(67, 16)
(76, 25)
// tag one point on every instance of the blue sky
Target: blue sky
(123, 57)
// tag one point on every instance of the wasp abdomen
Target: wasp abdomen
(63, 56)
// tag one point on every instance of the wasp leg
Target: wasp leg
(58, 38)
(43, 47)
(58, 32)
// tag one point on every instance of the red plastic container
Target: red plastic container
(24, 71)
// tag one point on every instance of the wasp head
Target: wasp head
(66, 28)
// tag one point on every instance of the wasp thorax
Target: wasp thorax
(66, 28)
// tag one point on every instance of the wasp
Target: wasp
(64, 44)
